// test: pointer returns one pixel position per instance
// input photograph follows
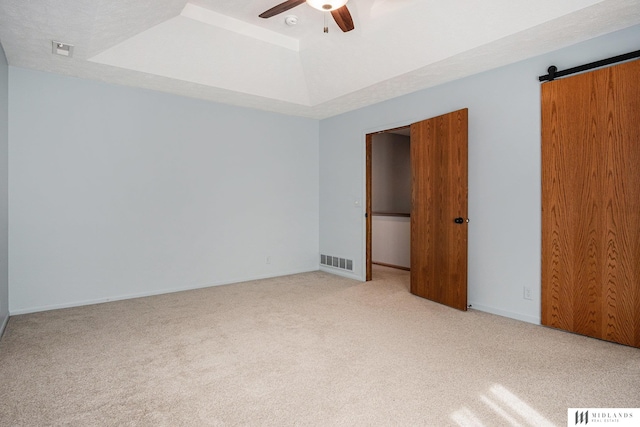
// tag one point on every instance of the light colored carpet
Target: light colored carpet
(307, 349)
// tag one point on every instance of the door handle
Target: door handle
(459, 220)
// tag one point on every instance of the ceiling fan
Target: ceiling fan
(338, 9)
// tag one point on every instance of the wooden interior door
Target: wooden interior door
(591, 204)
(438, 198)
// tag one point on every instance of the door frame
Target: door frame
(368, 189)
(368, 218)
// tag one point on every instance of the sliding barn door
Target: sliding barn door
(591, 204)
(439, 209)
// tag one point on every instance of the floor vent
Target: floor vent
(334, 261)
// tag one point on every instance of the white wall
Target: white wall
(117, 192)
(4, 176)
(504, 171)
(391, 240)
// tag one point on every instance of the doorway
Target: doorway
(390, 189)
(438, 210)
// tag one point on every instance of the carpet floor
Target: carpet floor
(307, 349)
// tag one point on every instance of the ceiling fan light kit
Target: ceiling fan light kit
(326, 5)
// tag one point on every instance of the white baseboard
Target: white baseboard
(517, 316)
(3, 324)
(148, 294)
(339, 272)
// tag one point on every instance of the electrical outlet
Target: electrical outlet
(527, 293)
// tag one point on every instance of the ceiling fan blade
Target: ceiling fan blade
(343, 18)
(282, 7)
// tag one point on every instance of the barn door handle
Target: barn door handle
(459, 220)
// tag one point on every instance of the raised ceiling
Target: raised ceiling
(220, 50)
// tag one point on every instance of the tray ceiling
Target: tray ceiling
(221, 51)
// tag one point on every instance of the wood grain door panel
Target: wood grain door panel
(591, 204)
(439, 195)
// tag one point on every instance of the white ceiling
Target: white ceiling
(220, 50)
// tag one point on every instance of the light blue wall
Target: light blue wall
(4, 176)
(117, 192)
(504, 171)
